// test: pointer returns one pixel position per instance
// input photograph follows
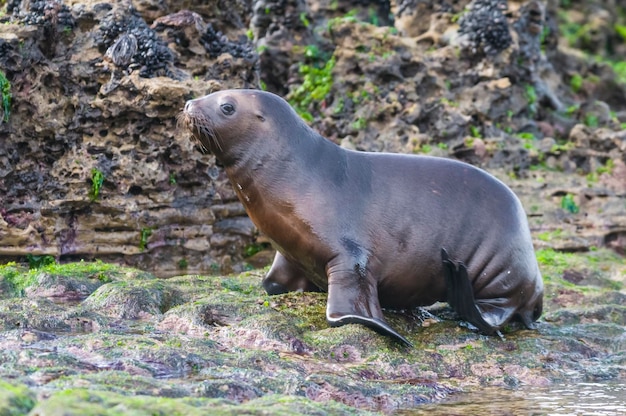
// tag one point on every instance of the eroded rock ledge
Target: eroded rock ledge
(78, 106)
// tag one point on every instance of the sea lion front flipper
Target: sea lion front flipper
(286, 276)
(353, 299)
(461, 295)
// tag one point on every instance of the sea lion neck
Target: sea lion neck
(324, 157)
(285, 154)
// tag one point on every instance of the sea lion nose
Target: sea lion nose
(188, 106)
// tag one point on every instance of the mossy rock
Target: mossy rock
(85, 402)
(38, 314)
(71, 281)
(15, 400)
(134, 299)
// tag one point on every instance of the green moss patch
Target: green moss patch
(15, 278)
(85, 402)
(15, 400)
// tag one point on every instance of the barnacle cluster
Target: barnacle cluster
(411, 6)
(149, 54)
(486, 26)
(41, 13)
(216, 43)
(268, 16)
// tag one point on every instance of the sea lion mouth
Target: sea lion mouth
(202, 130)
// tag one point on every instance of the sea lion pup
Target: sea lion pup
(371, 229)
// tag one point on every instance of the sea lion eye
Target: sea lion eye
(227, 109)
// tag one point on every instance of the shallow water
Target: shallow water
(575, 399)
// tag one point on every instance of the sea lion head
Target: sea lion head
(226, 123)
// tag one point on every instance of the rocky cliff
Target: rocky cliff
(92, 165)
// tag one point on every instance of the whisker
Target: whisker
(206, 129)
(201, 128)
(216, 139)
(181, 120)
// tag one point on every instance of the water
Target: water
(575, 399)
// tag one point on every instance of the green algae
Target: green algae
(97, 180)
(327, 340)
(217, 309)
(5, 93)
(274, 326)
(121, 382)
(308, 310)
(316, 85)
(38, 313)
(229, 345)
(105, 272)
(85, 402)
(15, 399)
(132, 299)
(595, 265)
(195, 286)
(15, 278)
(36, 262)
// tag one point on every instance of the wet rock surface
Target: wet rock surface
(92, 166)
(209, 345)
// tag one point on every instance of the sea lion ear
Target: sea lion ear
(260, 116)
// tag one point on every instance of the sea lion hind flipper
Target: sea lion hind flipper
(357, 304)
(461, 295)
(495, 314)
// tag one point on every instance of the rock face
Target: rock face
(93, 166)
(96, 90)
